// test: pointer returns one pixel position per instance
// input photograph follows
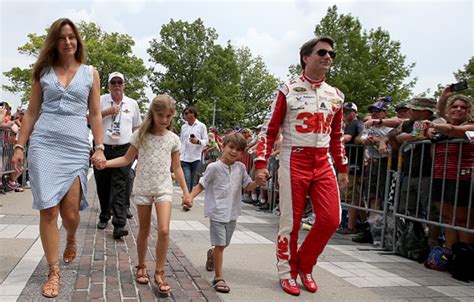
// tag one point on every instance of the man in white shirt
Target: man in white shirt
(120, 117)
(193, 139)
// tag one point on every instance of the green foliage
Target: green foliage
(196, 71)
(368, 64)
(108, 52)
(467, 74)
(257, 85)
(463, 74)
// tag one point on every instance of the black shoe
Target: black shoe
(102, 225)
(186, 208)
(264, 207)
(119, 233)
(364, 237)
(129, 213)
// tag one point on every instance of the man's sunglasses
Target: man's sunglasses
(116, 82)
(322, 52)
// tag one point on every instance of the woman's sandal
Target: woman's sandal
(51, 287)
(161, 284)
(220, 285)
(70, 250)
(142, 276)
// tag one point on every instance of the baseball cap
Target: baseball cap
(116, 74)
(349, 106)
(378, 105)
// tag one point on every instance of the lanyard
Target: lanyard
(114, 117)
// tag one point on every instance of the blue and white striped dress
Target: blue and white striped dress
(59, 147)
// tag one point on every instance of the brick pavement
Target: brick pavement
(104, 268)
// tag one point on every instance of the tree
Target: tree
(467, 74)
(368, 64)
(108, 52)
(229, 87)
(180, 56)
(257, 85)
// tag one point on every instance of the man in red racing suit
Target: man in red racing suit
(309, 113)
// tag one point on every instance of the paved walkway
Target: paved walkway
(104, 269)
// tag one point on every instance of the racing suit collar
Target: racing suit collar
(314, 83)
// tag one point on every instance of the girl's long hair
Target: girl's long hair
(49, 53)
(160, 103)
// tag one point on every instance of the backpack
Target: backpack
(439, 259)
(462, 266)
(411, 240)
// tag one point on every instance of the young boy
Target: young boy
(223, 181)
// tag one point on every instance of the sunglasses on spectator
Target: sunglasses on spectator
(323, 52)
(116, 82)
(459, 106)
(187, 112)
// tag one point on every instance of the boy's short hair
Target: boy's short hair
(237, 139)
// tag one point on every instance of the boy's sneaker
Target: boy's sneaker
(364, 237)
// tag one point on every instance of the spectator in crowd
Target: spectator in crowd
(452, 173)
(193, 139)
(312, 131)
(120, 117)
(63, 90)
(403, 111)
(442, 101)
(266, 191)
(416, 169)
(374, 138)
(247, 159)
(157, 150)
(216, 134)
(212, 149)
(355, 154)
(12, 183)
(223, 182)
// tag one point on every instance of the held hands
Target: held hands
(261, 176)
(98, 159)
(187, 200)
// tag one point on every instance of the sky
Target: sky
(436, 35)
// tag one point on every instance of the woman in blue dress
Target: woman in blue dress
(63, 90)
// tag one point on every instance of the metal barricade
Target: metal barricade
(368, 190)
(444, 196)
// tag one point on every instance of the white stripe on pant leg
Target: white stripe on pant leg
(286, 217)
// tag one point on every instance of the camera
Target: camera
(437, 137)
(459, 86)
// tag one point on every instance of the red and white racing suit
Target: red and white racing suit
(310, 116)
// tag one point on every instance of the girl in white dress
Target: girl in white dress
(158, 150)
